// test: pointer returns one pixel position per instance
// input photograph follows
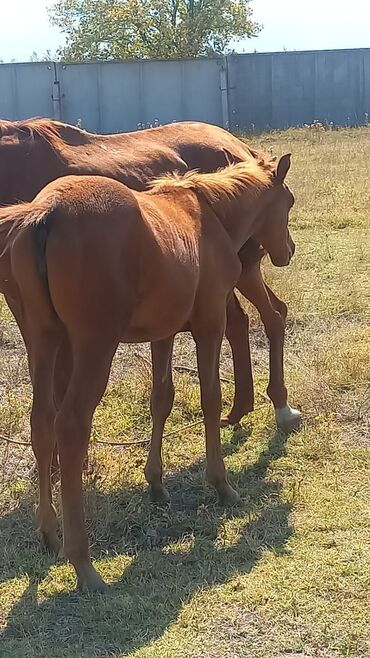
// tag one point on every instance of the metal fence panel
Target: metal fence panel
(293, 89)
(277, 90)
(117, 96)
(366, 85)
(26, 90)
(80, 94)
(338, 83)
(257, 91)
(249, 84)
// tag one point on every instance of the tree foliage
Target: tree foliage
(116, 29)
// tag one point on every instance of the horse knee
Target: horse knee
(283, 310)
(237, 321)
(72, 432)
(42, 431)
(161, 400)
(42, 418)
(210, 399)
(275, 327)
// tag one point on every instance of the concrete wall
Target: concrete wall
(277, 90)
(115, 96)
(26, 90)
(256, 91)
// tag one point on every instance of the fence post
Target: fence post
(56, 97)
(224, 93)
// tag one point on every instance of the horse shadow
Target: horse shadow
(171, 553)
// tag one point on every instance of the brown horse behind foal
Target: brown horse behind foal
(36, 151)
(109, 265)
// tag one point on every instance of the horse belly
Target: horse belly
(164, 309)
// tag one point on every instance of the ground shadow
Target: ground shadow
(164, 571)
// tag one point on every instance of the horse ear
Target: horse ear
(283, 167)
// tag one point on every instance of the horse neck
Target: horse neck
(31, 167)
(239, 216)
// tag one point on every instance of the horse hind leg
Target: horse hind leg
(92, 362)
(41, 357)
(62, 375)
(237, 333)
(160, 405)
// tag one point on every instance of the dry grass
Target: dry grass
(287, 574)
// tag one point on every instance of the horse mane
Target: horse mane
(252, 175)
(55, 133)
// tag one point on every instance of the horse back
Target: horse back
(123, 262)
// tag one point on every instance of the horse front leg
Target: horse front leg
(161, 402)
(273, 314)
(237, 333)
(208, 344)
(288, 419)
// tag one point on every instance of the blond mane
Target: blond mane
(252, 175)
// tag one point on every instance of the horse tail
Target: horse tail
(14, 219)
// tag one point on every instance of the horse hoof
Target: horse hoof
(159, 495)
(288, 420)
(234, 418)
(230, 421)
(227, 496)
(225, 421)
(91, 581)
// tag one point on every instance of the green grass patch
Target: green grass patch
(286, 574)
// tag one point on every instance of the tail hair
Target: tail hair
(14, 219)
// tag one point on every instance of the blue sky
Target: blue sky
(290, 24)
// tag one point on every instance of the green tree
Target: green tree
(116, 29)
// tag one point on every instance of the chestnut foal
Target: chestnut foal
(103, 264)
